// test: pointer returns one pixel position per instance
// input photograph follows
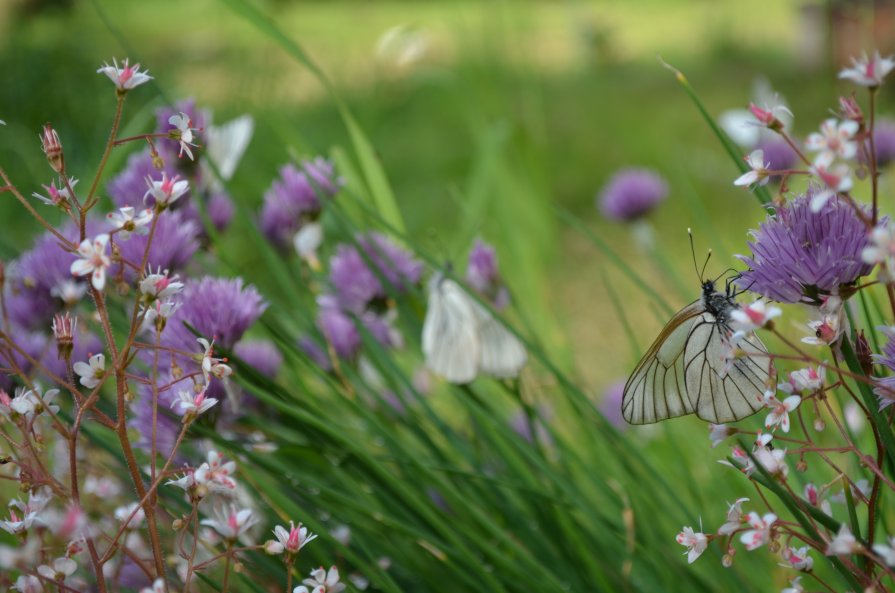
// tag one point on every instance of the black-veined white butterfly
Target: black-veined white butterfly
(225, 146)
(692, 367)
(462, 339)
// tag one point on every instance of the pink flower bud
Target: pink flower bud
(52, 147)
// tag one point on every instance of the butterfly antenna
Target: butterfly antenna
(693, 253)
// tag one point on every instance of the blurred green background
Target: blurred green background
(485, 116)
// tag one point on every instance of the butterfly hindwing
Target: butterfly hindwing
(656, 389)
(501, 353)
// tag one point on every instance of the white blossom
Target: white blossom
(734, 517)
(760, 533)
(125, 77)
(868, 72)
(94, 260)
(127, 221)
(843, 544)
(695, 542)
(92, 371)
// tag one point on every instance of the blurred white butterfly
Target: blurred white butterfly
(462, 339)
(693, 367)
(225, 145)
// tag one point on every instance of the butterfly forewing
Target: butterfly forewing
(656, 389)
(450, 338)
(501, 353)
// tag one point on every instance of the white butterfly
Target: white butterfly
(690, 368)
(225, 146)
(462, 339)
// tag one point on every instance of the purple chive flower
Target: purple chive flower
(173, 246)
(886, 385)
(293, 199)
(33, 343)
(129, 186)
(167, 424)
(220, 210)
(483, 276)
(611, 405)
(261, 355)
(631, 193)
(314, 351)
(778, 154)
(219, 308)
(797, 253)
(338, 328)
(884, 141)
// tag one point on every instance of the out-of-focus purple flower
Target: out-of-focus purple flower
(219, 308)
(198, 122)
(314, 351)
(220, 210)
(520, 423)
(167, 425)
(356, 284)
(631, 193)
(293, 199)
(261, 355)
(338, 329)
(128, 187)
(778, 155)
(611, 405)
(798, 254)
(34, 345)
(173, 245)
(886, 386)
(381, 328)
(482, 274)
(884, 141)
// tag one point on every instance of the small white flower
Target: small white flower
(719, 432)
(759, 170)
(185, 482)
(886, 551)
(753, 316)
(59, 197)
(102, 487)
(321, 581)
(123, 513)
(828, 327)
(734, 517)
(156, 315)
(807, 380)
(215, 473)
(126, 222)
(230, 522)
(307, 240)
(291, 541)
(794, 586)
(798, 559)
(69, 291)
(868, 72)
(184, 133)
(835, 140)
(780, 410)
(882, 248)
(212, 366)
(836, 179)
(61, 569)
(94, 260)
(843, 544)
(28, 584)
(760, 533)
(165, 191)
(695, 542)
(29, 403)
(772, 460)
(860, 491)
(125, 77)
(159, 285)
(193, 404)
(92, 371)
(158, 586)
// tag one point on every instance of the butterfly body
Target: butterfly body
(693, 368)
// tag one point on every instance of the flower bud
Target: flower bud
(864, 354)
(802, 466)
(727, 561)
(52, 147)
(177, 524)
(851, 110)
(819, 424)
(63, 330)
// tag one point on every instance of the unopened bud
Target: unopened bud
(238, 567)
(64, 332)
(52, 147)
(774, 546)
(864, 354)
(157, 161)
(201, 491)
(177, 524)
(727, 561)
(802, 466)
(851, 110)
(819, 424)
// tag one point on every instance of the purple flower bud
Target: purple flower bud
(631, 193)
(799, 254)
(483, 276)
(293, 199)
(261, 355)
(611, 405)
(338, 329)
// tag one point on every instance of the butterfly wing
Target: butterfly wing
(657, 388)
(228, 142)
(721, 390)
(450, 332)
(501, 353)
